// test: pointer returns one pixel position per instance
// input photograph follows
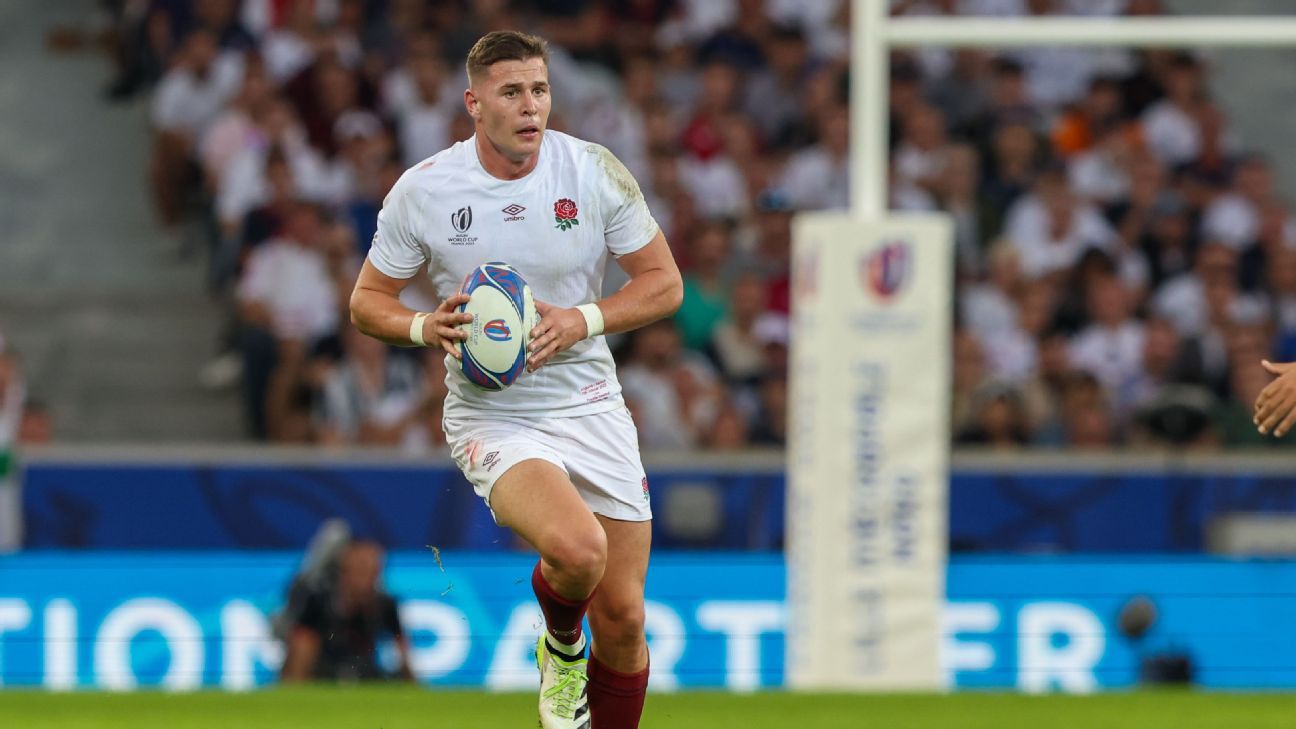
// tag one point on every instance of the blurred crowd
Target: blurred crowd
(1123, 260)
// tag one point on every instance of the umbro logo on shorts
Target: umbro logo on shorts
(513, 212)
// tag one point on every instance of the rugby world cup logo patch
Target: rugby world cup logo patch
(497, 330)
(886, 270)
(461, 219)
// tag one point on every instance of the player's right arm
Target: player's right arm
(376, 310)
(395, 258)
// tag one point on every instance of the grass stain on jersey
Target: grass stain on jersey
(616, 171)
(620, 176)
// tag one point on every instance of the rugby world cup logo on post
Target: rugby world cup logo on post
(886, 270)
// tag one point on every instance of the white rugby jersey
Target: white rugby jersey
(556, 226)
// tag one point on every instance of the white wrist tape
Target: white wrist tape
(416, 329)
(593, 319)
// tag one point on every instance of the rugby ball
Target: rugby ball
(503, 314)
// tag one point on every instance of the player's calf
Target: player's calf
(618, 666)
(618, 626)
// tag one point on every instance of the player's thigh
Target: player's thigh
(537, 500)
(617, 611)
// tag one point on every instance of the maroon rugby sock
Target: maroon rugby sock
(616, 699)
(562, 616)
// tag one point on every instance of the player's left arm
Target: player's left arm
(654, 291)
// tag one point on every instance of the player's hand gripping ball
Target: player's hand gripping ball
(503, 315)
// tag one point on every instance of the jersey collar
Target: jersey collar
(491, 183)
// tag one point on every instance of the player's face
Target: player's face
(510, 104)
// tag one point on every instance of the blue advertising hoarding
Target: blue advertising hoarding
(189, 620)
(277, 505)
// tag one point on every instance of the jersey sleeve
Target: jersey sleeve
(397, 250)
(627, 223)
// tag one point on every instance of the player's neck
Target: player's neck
(501, 166)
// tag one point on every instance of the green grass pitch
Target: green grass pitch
(411, 708)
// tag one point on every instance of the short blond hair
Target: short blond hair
(505, 45)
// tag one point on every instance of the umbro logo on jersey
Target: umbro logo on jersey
(461, 219)
(513, 212)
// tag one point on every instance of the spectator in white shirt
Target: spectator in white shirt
(1234, 218)
(286, 285)
(236, 128)
(1170, 125)
(923, 150)
(244, 186)
(1052, 228)
(1206, 302)
(990, 307)
(1166, 361)
(1058, 75)
(194, 91)
(673, 394)
(370, 397)
(1167, 239)
(1135, 209)
(288, 302)
(400, 89)
(1111, 347)
(958, 194)
(363, 145)
(734, 345)
(424, 120)
(189, 98)
(817, 178)
(1182, 299)
(708, 171)
(1101, 173)
(294, 47)
(772, 94)
(717, 183)
(620, 122)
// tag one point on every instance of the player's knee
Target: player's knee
(618, 621)
(579, 556)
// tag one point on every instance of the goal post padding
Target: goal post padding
(868, 455)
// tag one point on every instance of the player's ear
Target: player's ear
(470, 103)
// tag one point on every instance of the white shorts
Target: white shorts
(599, 453)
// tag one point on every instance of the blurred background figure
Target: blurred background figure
(336, 627)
